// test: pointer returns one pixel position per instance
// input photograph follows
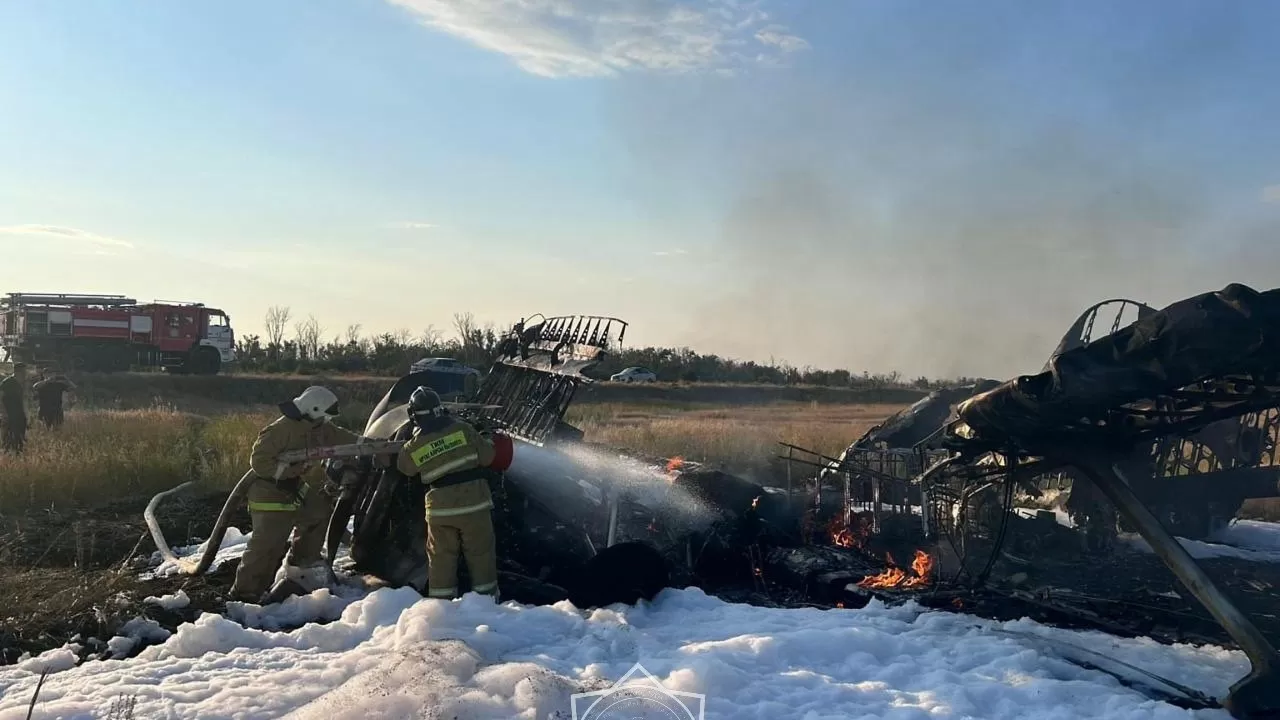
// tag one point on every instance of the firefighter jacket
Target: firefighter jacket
(286, 434)
(449, 461)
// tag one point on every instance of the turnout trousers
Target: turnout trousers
(282, 525)
(470, 535)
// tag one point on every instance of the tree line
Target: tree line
(299, 346)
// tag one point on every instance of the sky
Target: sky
(930, 187)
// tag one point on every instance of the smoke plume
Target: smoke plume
(945, 194)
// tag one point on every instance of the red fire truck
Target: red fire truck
(108, 333)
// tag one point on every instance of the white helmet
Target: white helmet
(317, 403)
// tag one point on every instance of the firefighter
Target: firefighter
(450, 457)
(13, 409)
(49, 391)
(289, 499)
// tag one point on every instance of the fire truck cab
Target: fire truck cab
(110, 333)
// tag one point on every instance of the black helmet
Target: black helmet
(425, 403)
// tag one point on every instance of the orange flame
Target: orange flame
(673, 469)
(851, 535)
(895, 577)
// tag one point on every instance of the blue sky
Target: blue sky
(932, 187)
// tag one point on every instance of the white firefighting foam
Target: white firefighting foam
(396, 654)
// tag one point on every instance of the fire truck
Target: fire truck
(111, 333)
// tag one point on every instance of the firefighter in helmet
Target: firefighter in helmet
(450, 457)
(13, 410)
(289, 499)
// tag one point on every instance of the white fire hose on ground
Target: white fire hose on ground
(365, 448)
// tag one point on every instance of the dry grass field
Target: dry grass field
(103, 456)
(742, 438)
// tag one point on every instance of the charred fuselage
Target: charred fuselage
(572, 520)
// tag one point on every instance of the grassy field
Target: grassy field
(104, 455)
(743, 438)
(132, 391)
(101, 456)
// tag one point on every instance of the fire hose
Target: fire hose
(364, 448)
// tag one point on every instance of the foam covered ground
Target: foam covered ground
(394, 654)
(1249, 540)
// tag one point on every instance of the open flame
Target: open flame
(673, 469)
(896, 577)
(847, 535)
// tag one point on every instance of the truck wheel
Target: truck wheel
(204, 361)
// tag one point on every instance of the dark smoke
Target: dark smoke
(944, 195)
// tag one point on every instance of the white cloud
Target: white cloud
(777, 36)
(65, 233)
(1271, 194)
(667, 253)
(411, 225)
(595, 38)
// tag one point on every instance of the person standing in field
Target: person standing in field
(49, 391)
(13, 412)
(289, 499)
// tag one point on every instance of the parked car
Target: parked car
(634, 374)
(443, 364)
(453, 380)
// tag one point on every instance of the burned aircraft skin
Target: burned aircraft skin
(1174, 404)
(574, 520)
(524, 395)
(880, 466)
(1209, 361)
(571, 521)
(1181, 403)
(1194, 483)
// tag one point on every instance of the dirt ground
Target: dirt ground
(69, 575)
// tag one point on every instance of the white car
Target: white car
(440, 364)
(634, 374)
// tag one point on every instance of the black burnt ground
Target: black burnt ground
(75, 573)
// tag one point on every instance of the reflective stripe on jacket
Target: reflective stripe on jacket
(274, 505)
(431, 456)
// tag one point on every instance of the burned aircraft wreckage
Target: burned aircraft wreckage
(1165, 423)
(1163, 426)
